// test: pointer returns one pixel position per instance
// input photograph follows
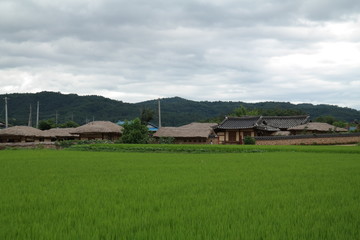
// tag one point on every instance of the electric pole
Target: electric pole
(37, 115)
(159, 112)
(29, 122)
(6, 114)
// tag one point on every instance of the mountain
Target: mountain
(175, 111)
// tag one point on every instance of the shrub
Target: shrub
(166, 140)
(69, 143)
(249, 140)
(135, 132)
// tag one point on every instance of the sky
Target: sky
(299, 51)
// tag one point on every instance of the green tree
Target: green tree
(135, 132)
(69, 124)
(47, 124)
(146, 115)
(242, 111)
(340, 124)
(325, 119)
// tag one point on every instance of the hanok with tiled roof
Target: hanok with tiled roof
(233, 130)
(284, 122)
(193, 133)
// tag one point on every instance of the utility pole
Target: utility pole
(37, 115)
(159, 109)
(56, 118)
(29, 122)
(6, 114)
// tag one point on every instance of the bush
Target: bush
(135, 132)
(69, 143)
(249, 140)
(166, 140)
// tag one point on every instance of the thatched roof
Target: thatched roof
(60, 132)
(22, 131)
(318, 126)
(98, 127)
(190, 130)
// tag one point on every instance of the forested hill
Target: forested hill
(174, 111)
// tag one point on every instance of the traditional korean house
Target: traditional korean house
(99, 130)
(193, 133)
(18, 134)
(233, 130)
(60, 134)
(315, 127)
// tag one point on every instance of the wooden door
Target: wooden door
(232, 136)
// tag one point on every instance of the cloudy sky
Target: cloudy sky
(233, 50)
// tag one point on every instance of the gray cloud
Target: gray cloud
(258, 50)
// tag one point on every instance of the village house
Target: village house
(23, 134)
(61, 134)
(233, 130)
(98, 130)
(315, 128)
(193, 133)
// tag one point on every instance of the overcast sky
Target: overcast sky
(231, 50)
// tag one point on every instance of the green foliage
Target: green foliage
(69, 143)
(86, 195)
(135, 132)
(166, 140)
(326, 119)
(249, 140)
(215, 148)
(69, 124)
(47, 124)
(281, 112)
(242, 111)
(340, 124)
(146, 115)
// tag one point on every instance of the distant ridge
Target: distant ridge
(175, 111)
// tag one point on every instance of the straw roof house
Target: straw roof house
(190, 133)
(23, 134)
(316, 127)
(104, 130)
(61, 133)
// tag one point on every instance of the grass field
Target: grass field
(48, 194)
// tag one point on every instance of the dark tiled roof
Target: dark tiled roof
(284, 122)
(238, 123)
(268, 123)
(267, 128)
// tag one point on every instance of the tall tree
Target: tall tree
(146, 115)
(242, 111)
(135, 132)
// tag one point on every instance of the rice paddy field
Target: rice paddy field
(271, 193)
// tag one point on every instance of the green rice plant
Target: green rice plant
(48, 194)
(184, 148)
